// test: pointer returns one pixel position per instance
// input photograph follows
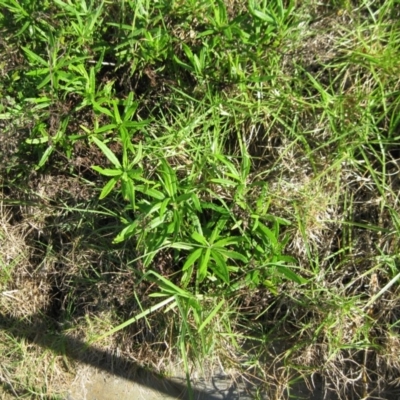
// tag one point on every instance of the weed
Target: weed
(192, 178)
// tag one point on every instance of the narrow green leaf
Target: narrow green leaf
(155, 222)
(164, 206)
(268, 233)
(271, 287)
(108, 187)
(290, 274)
(228, 241)
(139, 155)
(202, 271)
(117, 115)
(193, 257)
(38, 72)
(279, 220)
(225, 182)
(126, 232)
(101, 109)
(199, 238)
(106, 128)
(130, 111)
(169, 178)
(37, 140)
(91, 84)
(168, 286)
(45, 81)
(180, 246)
(128, 191)
(182, 64)
(211, 315)
(108, 153)
(34, 57)
(107, 171)
(220, 268)
(45, 157)
(134, 319)
(232, 254)
(150, 192)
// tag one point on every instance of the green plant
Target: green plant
(245, 161)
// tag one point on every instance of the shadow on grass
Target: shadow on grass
(40, 334)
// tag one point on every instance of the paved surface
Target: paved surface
(94, 384)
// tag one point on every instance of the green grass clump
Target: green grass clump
(234, 164)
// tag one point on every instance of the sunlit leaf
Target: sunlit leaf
(107, 152)
(108, 187)
(290, 274)
(106, 171)
(203, 267)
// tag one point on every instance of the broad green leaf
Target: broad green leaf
(136, 125)
(136, 174)
(108, 153)
(217, 230)
(279, 220)
(288, 259)
(67, 7)
(259, 14)
(211, 206)
(233, 171)
(188, 52)
(196, 202)
(205, 33)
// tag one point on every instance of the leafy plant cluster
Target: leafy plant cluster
(205, 216)
(216, 133)
(171, 178)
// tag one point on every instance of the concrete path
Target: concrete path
(94, 384)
